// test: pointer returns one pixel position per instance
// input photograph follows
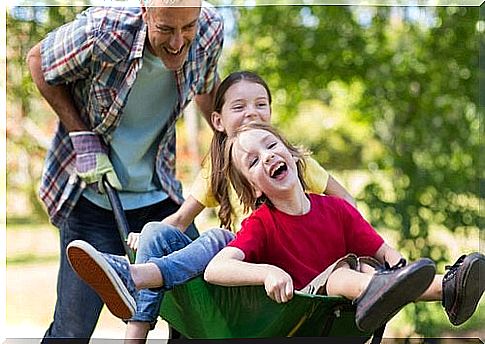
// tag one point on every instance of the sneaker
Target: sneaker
(108, 274)
(390, 289)
(463, 286)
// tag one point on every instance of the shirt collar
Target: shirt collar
(139, 44)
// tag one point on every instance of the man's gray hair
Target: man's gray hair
(163, 3)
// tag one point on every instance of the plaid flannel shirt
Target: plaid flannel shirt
(97, 56)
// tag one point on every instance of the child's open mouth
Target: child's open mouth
(278, 170)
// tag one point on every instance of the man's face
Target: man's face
(171, 31)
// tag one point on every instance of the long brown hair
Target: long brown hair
(218, 181)
(241, 184)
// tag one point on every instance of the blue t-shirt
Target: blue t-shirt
(135, 140)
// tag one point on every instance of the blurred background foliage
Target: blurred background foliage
(386, 98)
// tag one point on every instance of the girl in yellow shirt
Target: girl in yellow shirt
(242, 97)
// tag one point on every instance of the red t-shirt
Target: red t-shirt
(305, 245)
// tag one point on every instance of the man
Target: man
(118, 79)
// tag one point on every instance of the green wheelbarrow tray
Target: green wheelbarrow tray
(201, 310)
(198, 309)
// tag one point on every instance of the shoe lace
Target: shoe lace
(399, 265)
(457, 264)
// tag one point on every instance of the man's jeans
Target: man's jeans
(178, 258)
(78, 306)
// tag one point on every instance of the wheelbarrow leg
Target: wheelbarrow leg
(377, 335)
(173, 333)
(120, 218)
(123, 230)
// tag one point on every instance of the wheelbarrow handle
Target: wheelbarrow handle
(120, 218)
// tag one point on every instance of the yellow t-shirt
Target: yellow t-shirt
(316, 178)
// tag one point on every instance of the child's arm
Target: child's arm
(336, 189)
(184, 216)
(199, 198)
(386, 253)
(227, 268)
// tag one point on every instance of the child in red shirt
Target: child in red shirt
(305, 245)
(292, 237)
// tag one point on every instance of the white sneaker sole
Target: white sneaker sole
(99, 275)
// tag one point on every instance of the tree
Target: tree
(410, 79)
(30, 121)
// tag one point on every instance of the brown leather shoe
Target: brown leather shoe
(463, 285)
(389, 290)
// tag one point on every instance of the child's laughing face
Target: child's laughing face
(266, 162)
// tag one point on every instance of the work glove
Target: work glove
(92, 161)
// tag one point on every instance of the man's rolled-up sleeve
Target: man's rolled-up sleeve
(67, 52)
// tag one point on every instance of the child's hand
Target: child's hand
(132, 240)
(278, 285)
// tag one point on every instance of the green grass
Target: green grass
(31, 258)
(26, 228)
(26, 223)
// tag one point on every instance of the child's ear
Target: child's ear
(217, 121)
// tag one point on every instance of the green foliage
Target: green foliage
(425, 86)
(409, 115)
(417, 97)
(313, 58)
(29, 123)
(22, 35)
(431, 321)
(373, 89)
(296, 50)
(422, 95)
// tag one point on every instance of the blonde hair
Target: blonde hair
(172, 3)
(242, 186)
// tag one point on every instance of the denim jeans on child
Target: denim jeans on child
(178, 258)
(78, 306)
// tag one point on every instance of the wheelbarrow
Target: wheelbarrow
(199, 310)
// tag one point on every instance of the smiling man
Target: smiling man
(171, 31)
(118, 79)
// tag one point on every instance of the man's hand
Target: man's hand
(278, 285)
(92, 161)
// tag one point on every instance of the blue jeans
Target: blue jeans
(178, 258)
(78, 306)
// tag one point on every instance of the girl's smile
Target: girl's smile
(266, 162)
(244, 102)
